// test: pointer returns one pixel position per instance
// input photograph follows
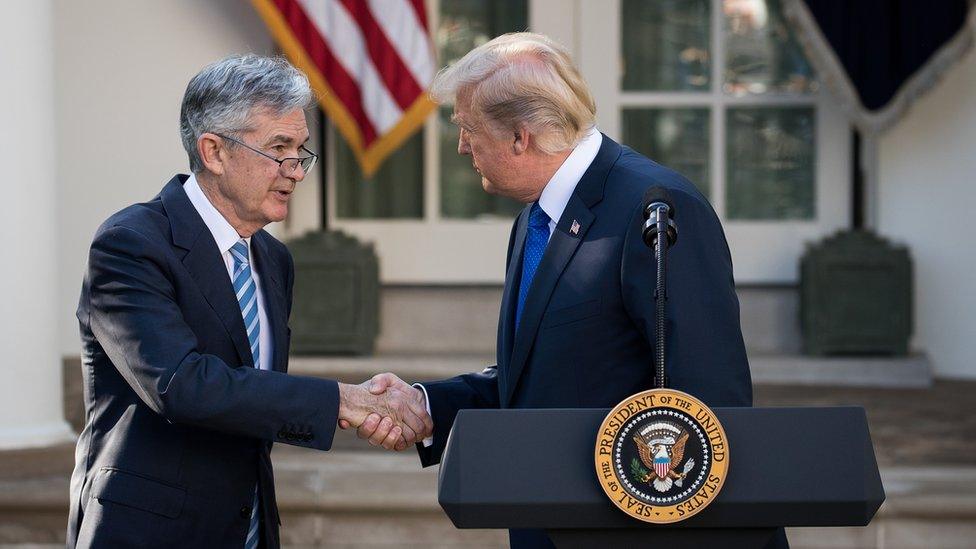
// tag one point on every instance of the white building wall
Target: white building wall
(928, 172)
(121, 69)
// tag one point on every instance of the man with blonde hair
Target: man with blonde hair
(576, 324)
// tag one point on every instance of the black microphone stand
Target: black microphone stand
(660, 232)
(660, 295)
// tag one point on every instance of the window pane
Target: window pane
(461, 192)
(395, 191)
(666, 44)
(467, 24)
(677, 138)
(770, 154)
(761, 53)
(464, 25)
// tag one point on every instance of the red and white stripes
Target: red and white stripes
(370, 61)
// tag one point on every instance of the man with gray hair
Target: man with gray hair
(184, 324)
(576, 326)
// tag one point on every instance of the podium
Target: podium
(534, 468)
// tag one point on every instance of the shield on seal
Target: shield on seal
(662, 464)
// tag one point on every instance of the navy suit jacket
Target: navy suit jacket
(179, 424)
(587, 331)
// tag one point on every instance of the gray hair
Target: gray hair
(222, 97)
(523, 79)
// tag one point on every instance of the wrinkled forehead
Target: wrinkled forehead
(288, 127)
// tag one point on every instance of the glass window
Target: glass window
(666, 45)
(770, 147)
(675, 137)
(761, 54)
(465, 25)
(395, 191)
(770, 163)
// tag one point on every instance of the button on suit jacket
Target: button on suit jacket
(179, 423)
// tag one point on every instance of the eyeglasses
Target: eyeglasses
(286, 166)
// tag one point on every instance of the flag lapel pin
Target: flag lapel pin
(575, 228)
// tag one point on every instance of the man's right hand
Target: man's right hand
(380, 430)
(386, 411)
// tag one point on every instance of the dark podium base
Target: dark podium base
(687, 538)
(535, 469)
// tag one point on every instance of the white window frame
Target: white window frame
(763, 252)
(438, 250)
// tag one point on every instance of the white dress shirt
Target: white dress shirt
(554, 198)
(560, 187)
(226, 236)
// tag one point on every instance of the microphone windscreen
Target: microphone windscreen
(657, 194)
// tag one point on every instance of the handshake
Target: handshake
(386, 411)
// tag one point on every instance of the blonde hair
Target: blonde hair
(523, 79)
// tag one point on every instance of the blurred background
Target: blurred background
(834, 140)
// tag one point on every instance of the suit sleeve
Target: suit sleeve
(136, 319)
(705, 354)
(446, 397)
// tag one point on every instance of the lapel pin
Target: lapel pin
(575, 228)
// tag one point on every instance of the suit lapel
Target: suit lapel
(562, 245)
(506, 320)
(274, 297)
(205, 264)
(561, 248)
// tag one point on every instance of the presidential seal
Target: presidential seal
(661, 456)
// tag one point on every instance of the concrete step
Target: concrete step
(339, 498)
(369, 499)
(464, 319)
(411, 367)
(913, 371)
(910, 372)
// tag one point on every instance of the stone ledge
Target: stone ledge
(410, 367)
(368, 481)
(937, 493)
(914, 371)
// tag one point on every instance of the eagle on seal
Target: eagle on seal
(661, 459)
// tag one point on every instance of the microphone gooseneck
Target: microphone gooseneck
(659, 213)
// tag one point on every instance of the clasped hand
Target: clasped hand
(386, 411)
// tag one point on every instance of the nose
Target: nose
(464, 148)
(297, 175)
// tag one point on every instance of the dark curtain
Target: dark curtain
(882, 43)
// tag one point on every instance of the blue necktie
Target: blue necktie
(247, 299)
(536, 238)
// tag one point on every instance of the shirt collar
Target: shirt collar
(223, 232)
(560, 188)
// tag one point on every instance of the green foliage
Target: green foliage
(639, 472)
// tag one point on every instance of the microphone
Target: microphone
(657, 206)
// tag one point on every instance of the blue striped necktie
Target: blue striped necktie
(536, 239)
(247, 299)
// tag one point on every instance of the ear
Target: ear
(212, 152)
(520, 140)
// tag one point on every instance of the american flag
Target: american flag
(369, 61)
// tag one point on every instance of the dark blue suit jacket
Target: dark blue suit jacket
(587, 330)
(179, 424)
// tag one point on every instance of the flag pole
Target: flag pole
(323, 172)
